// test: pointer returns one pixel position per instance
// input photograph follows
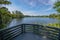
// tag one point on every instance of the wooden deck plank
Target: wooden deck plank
(30, 36)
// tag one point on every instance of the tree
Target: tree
(17, 14)
(5, 2)
(53, 15)
(3, 10)
(57, 6)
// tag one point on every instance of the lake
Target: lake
(33, 20)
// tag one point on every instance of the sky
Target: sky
(33, 7)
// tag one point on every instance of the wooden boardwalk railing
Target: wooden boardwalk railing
(50, 32)
(7, 34)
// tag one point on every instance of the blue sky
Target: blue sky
(33, 7)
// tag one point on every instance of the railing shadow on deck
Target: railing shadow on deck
(50, 32)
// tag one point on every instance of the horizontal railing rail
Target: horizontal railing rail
(50, 32)
(9, 33)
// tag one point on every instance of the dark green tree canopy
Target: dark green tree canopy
(4, 13)
(5, 2)
(57, 6)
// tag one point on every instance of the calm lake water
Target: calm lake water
(33, 20)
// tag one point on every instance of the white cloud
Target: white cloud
(28, 12)
(47, 2)
(13, 8)
(32, 3)
(35, 13)
(50, 2)
(50, 8)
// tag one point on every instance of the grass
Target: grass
(54, 25)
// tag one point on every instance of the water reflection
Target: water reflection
(15, 22)
(32, 20)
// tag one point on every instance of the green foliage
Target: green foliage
(17, 14)
(5, 2)
(54, 16)
(5, 14)
(57, 6)
(54, 25)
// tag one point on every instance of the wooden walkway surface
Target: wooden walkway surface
(30, 36)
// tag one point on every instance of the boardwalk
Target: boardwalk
(30, 36)
(30, 32)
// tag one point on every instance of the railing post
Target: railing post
(23, 28)
(59, 34)
(36, 29)
(1, 37)
(33, 29)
